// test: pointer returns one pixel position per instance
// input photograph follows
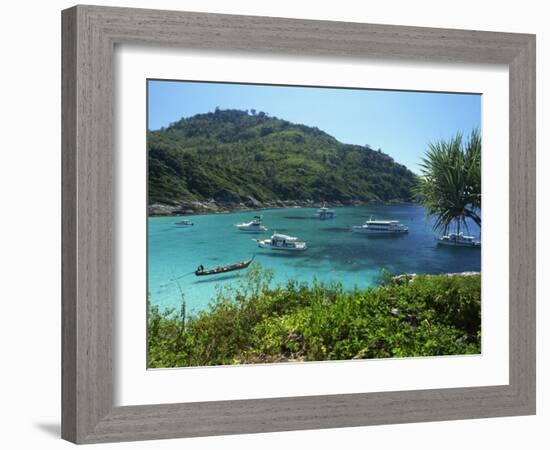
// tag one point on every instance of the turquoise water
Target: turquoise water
(334, 253)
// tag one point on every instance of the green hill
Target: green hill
(231, 155)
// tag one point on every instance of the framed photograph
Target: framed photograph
(278, 224)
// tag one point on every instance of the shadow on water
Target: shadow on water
(382, 236)
(283, 254)
(343, 267)
(259, 234)
(215, 278)
(456, 250)
(336, 229)
(361, 253)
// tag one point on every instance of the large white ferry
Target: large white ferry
(282, 242)
(380, 227)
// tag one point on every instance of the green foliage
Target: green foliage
(450, 185)
(229, 155)
(254, 323)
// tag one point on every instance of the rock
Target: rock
(463, 274)
(408, 277)
(159, 209)
(404, 278)
(252, 202)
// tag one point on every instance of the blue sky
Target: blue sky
(400, 123)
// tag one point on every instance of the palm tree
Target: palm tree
(450, 182)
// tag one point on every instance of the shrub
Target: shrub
(255, 322)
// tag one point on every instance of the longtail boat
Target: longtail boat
(222, 269)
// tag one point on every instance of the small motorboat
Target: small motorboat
(324, 213)
(282, 242)
(184, 223)
(459, 240)
(201, 271)
(255, 226)
(380, 227)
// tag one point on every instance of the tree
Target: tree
(450, 182)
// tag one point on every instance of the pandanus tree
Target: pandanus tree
(449, 185)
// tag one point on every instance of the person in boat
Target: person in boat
(200, 268)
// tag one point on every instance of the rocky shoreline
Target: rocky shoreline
(405, 278)
(212, 206)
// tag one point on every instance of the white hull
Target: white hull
(282, 242)
(247, 229)
(298, 247)
(459, 244)
(459, 240)
(254, 226)
(324, 213)
(380, 228)
(365, 230)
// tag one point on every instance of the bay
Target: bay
(334, 253)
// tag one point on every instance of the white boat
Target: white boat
(184, 223)
(324, 213)
(458, 240)
(380, 227)
(255, 226)
(282, 242)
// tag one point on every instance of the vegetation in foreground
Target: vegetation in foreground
(257, 323)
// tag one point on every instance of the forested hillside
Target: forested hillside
(232, 155)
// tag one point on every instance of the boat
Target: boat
(184, 223)
(324, 213)
(282, 242)
(255, 226)
(459, 240)
(223, 269)
(380, 227)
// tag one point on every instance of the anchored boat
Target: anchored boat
(458, 240)
(223, 269)
(381, 227)
(324, 213)
(255, 226)
(282, 242)
(184, 223)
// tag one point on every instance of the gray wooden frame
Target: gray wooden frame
(89, 36)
